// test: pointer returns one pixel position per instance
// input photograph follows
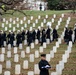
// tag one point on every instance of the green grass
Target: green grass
(69, 66)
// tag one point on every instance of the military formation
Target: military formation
(30, 36)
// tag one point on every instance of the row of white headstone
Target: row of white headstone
(34, 24)
(60, 66)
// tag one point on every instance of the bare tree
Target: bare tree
(13, 5)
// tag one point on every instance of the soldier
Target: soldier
(38, 35)
(27, 35)
(19, 38)
(33, 35)
(44, 66)
(48, 32)
(0, 39)
(30, 38)
(8, 37)
(43, 38)
(70, 34)
(55, 34)
(23, 35)
(40, 6)
(66, 34)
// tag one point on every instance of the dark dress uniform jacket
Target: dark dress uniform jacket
(43, 71)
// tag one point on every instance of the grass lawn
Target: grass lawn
(70, 66)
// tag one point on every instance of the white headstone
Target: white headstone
(31, 57)
(36, 21)
(3, 50)
(30, 73)
(4, 43)
(0, 69)
(27, 49)
(59, 40)
(17, 69)
(15, 50)
(8, 64)
(46, 16)
(21, 21)
(9, 46)
(52, 54)
(33, 24)
(31, 28)
(57, 44)
(3, 25)
(17, 19)
(54, 15)
(14, 29)
(9, 54)
(36, 41)
(64, 58)
(25, 25)
(39, 17)
(54, 49)
(20, 46)
(6, 28)
(36, 54)
(16, 58)
(25, 42)
(22, 54)
(47, 41)
(24, 18)
(54, 73)
(44, 45)
(48, 57)
(41, 49)
(14, 22)
(7, 73)
(22, 28)
(6, 22)
(29, 22)
(17, 25)
(70, 43)
(1, 57)
(10, 25)
(4, 19)
(10, 19)
(62, 15)
(14, 43)
(32, 45)
(31, 17)
(36, 69)
(52, 20)
(44, 21)
(25, 64)
(42, 24)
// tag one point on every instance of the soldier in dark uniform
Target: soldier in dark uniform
(70, 34)
(55, 34)
(19, 38)
(43, 39)
(75, 34)
(0, 39)
(30, 38)
(40, 6)
(8, 37)
(33, 35)
(11, 38)
(23, 35)
(27, 35)
(44, 66)
(66, 34)
(48, 33)
(38, 35)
